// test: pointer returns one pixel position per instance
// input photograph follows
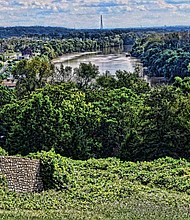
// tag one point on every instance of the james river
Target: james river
(111, 60)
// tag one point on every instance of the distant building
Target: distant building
(14, 56)
(27, 52)
(18, 55)
(9, 83)
(158, 81)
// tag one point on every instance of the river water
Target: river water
(111, 60)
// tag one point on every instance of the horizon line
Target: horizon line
(135, 27)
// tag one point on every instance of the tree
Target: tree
(62, 120)
(7, 96)
(132, 81)
(80, 120)
(85, 74)
(164, 126)
(30, 75)
(30, 125)
(62, 74)
(124, 79)
(120, 108)
(183, 84)
(106, 81)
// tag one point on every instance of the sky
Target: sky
(86, 13)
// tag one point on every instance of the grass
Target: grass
(152, 205)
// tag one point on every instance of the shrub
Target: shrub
(3, 152)
(3, 182)
(112, 177)
(55, 169)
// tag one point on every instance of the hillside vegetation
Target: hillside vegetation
(104, 188)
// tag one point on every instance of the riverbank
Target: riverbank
(72, 56)
(105, 62)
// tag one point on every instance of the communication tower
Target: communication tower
(101, 22)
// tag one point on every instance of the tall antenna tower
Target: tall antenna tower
(101, 22)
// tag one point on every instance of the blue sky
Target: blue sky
(86, 13)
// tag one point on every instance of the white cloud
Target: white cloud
(163, 5)
(85, 13)
(142, 8)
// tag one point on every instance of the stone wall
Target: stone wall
(22, 174)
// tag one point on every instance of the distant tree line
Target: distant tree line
(57, 47)
(61, 32)
(166, 55)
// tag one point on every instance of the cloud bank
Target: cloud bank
(86, 13)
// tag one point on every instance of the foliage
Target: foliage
(80, 121)
(158, 205)
(30, 75)
(3, 152)
(67, 123)
(98, 122)
(7, 95)
(120, 108)
(3, 182)
(85, 74)
(183, 84)
(124, 79)
(132, 81)
(55, 170)
(164, 127)
(62, 74)
(164, 55)
(54, 42)
(62, 173)
(105, 188)
(29, 126)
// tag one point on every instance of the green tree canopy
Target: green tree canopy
(85, 74)
(164, 125)
(31, 74)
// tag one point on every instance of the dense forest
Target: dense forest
(164, 55)
(95, 116)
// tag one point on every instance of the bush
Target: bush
(3, 182)
(3, 152)
(55, 169)
(112, 176)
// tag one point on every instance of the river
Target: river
(111, 60)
